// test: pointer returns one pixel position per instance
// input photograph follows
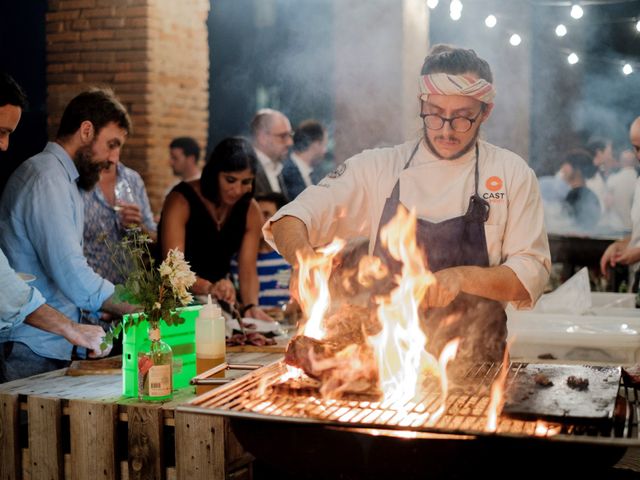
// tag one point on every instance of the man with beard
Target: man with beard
(42, 220)
(480, 220)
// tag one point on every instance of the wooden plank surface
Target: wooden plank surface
(10, 462)
(45, 433)
(93, 432)
(200, 447)
(145, 442)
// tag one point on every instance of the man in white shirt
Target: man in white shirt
(480, 219)
(309, 148)
(271, 137)
(627, 250)
(621, 184)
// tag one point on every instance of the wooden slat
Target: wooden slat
(93, 432)
(146, 452)
(199, 446)
(10, 462)
(45, 433)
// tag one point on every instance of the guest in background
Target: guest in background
(184, 154)
(271, 136)
(601, 150)
(274, 272)
(119, 201)
(621, 184)
(42, 222)
(581, 204)
(309, 148)
(214, 218)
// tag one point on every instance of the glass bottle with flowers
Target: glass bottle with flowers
(158, 292)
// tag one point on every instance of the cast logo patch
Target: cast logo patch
(493, 184)
(339, 170)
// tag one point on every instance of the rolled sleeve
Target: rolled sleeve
(526, 245)
(17, 299)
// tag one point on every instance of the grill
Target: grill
(367, 437)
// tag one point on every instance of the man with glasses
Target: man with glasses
(480, 220)
(271, 137)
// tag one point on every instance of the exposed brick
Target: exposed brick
(65, 37)
(75, 4)
(92, 35)
(55, 27)
(99, 12)
(81, 24)
(65, 15)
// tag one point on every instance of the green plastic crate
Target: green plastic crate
(181, 339)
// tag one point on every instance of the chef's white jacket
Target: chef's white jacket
(349, 202)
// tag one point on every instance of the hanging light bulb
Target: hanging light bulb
(455, 9)
(573, 58)
(638, 25)
(627, 69)
(432, 4)
(515, 40)
(561, 30)
(576, 11)
(491, 21)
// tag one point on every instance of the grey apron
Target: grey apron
(481, 323)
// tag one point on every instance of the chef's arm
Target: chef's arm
(291, 235)
(496, 283)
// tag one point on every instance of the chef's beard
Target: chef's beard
(464, 150)
(88, 170)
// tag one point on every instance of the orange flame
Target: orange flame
(313, 287)
(399, 348)
(448, 354)
(370, 268)
(497, 394)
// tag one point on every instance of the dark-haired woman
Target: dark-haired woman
(215, 217)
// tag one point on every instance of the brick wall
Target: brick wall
(153, 53)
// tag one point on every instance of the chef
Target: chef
(480, 218)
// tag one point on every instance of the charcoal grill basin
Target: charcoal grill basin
(315, 451)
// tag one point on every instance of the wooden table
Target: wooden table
(57, 426)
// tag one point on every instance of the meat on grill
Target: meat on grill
(578, 383)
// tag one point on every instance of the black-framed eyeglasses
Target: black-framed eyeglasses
(434, 121)
(283, 135)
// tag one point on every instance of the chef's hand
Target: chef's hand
(629, 256)
(258, 313)
(223, 290)
(447, 286)
(130, 214)
(611, 255)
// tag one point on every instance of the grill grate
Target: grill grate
(260, 395)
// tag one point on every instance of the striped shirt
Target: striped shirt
(273, 273)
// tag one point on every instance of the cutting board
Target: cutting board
(526, 399)
(102, 366)
(279, 347)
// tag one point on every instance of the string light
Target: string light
(455, 10)
(576, 11)
(627, 69)
(515, 40)
(638, 25)
(561, 30)
(491, 21)
(573, 58)
(432, 4)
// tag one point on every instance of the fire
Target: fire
(400, 346)
(544, 429)
(448, 354)
(313, 287)
(497, 394)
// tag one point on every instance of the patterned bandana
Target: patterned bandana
(445, 84)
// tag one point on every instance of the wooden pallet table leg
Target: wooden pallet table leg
(199, 446)
(93, 440)
(10, 461)
(45, 432)
(145, 441)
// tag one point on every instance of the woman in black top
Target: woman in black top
(215, 217)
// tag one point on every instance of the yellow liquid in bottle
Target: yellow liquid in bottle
(206, 363)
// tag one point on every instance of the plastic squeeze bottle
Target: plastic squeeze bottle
(210, 337)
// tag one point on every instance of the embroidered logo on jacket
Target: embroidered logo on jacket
(494, 184)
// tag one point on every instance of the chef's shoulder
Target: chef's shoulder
(370, 164)
(513, 166)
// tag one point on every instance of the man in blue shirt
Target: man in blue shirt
(41, 225)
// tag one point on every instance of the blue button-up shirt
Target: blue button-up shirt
(41, 225)
(102, 229)
(17, 299)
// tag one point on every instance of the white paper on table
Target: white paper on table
(573, 296)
